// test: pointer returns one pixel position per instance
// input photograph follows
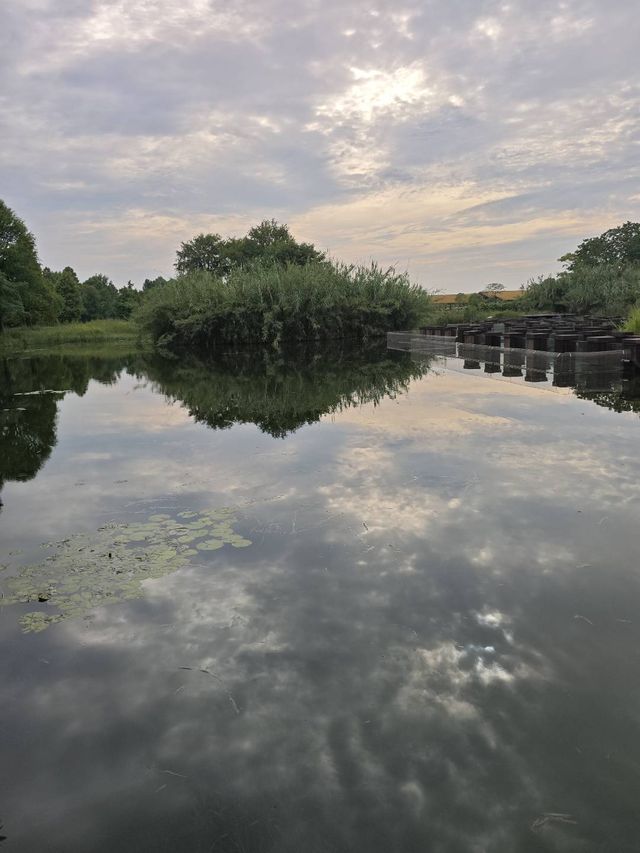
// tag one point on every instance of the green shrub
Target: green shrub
(276, 305)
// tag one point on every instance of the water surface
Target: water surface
(332, 603)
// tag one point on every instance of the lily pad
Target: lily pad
(210, 545)
(110, 565)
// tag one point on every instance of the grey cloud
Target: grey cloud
(254, 109)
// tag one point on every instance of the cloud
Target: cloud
(466, 141)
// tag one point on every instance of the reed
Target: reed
(276, 305)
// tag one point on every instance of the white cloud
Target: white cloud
(374, 93)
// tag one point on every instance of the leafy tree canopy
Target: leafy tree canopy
(128, 300)
(26, 296)
(99, 298)
(18, 258)
(204, 253)
(11, 307)
(150, 283)
(269, 241)
(67, 286)
(619, 246)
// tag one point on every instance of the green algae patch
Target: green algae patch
(89, 570)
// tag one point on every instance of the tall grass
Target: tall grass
(47, 337)
(633, 321)
(277, 305)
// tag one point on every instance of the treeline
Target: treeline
(602, 276)
(262, 288)
(96, 298)
(31, 295)
(266, 287)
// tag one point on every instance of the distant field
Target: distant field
(96, 332)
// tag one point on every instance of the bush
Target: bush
(603, 289)
(276, 305)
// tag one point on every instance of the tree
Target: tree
(274, 242)
(23, 282)
(150, 283)
(128, 300)
(619, 246)
(493, 288)
(267, 242)
(11, 307)
(67, 286)
(18, 258)
(99, 298)
(269, 233)
(204, 252)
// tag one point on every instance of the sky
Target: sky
(466, 141)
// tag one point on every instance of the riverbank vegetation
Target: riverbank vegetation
(606, 289)
(268, 288)
(601, 277)
(273, 304)
(31, 295)
(93, 334)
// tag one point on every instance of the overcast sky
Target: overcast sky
(467, 141)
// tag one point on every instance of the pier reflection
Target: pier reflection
(602, 377)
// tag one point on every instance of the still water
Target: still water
(333, 603)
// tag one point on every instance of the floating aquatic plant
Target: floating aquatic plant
(89, 570)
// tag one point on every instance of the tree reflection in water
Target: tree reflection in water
(277, 392)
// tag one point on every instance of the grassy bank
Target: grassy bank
(276, 305)
(93, 334)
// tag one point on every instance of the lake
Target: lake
(334, 601)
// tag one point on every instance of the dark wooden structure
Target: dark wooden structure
(551, 333)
